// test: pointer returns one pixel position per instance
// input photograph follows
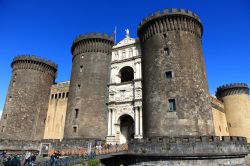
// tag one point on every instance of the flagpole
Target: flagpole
(115, 34)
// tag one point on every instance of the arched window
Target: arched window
(127, 74)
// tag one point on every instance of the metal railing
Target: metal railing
(78, 155)
(106, 149)
(66, 161)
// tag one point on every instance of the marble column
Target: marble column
(113, 123)
(109, 122)
(136, 122)
(140, 116)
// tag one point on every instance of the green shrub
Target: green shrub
(94, 162)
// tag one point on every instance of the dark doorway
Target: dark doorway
(127, 128)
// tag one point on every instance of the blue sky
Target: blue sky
(47, 28)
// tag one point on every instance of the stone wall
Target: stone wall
(86, 115)
(130, 160)
(26, 104)
(55, 120)
(219, 117)
(235, 98)
(173, 73)
(182, 151)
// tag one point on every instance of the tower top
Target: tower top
(169, 12)
(231, 89)
(92, 38)
(93, 35)
(26, 58)
(169, 20)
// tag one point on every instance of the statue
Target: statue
(127, 32)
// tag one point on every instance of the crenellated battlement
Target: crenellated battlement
(170, 20)
(93, 42)
(190, 139)
(92, 35)
(231, 89)
(188, 147)
(35, 63)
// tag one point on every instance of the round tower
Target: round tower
(175, 90)
(26, 104)
(87, 109)
(237, 108)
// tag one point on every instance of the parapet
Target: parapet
(94, 42)
(33, 62)
(169, 20)
(231, 89)
(188, 147)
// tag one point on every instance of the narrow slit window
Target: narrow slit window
(55, 96)
(79, 86)
(67, 94)
(76, 113)
(81, 68)
(166, 51)
(74, 129)
(52, 96)
(10, 98)
(3, 129)
(172, 105)
(60, 95)
(168, 75)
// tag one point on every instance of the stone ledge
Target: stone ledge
(203, 146)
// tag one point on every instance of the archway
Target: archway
(127, 74)
(126, 128)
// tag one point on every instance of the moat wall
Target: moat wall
(205, 150)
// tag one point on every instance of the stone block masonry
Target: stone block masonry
(86, 115)
(175, 90)
(26, 104)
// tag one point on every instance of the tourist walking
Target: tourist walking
(15, 161)
(32, 159)
(27, 158)
(7, 161)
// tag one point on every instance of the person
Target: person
(15, 161)
(7, 161)
(27, 158)
(3, 154)
(57, 154)
(52, 159)
(32, 159)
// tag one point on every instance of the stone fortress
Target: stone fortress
(149, 90)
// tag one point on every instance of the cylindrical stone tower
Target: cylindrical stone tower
(87, 110)
(237, 108)
(26, 104)
(175, 89)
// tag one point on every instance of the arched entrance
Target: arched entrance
(126, 128)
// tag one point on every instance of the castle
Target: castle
(150, 87)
